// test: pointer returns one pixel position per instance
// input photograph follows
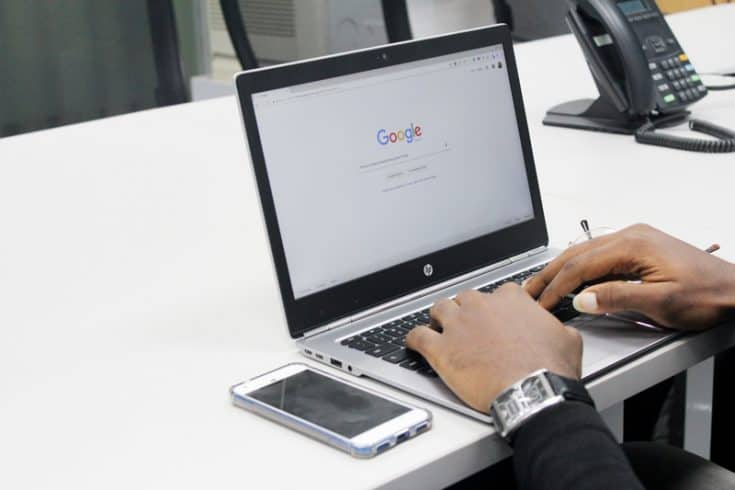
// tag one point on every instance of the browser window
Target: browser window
(374, 169)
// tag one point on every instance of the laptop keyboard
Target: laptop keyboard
(388, 341)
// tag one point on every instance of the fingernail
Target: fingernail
(585, 302)
(525, 282)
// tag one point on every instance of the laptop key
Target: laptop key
(397, 356)
(565, 311)
(382, 350)
(349, 340)
(518, 278)
(361, 345)
(379, 339)
(411, 364)
(428, 372)
(400, 341)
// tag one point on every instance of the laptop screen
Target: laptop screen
(374, 169)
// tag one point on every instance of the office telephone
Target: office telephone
(645, 79)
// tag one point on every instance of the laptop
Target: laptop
(391, 177)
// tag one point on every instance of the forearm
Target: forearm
(569, 446)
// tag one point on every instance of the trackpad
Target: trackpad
(609, 341)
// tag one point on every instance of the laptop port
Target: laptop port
(319, 356)
(401, 437)
(383, 447)
(421, 428)
(335, 362)
(308, 352)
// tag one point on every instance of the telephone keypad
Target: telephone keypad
(677, 79)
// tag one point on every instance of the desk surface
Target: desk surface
(136, 288)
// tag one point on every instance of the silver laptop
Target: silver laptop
(394, 176)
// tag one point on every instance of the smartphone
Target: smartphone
(329, 409)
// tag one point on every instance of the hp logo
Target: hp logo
(428, 270)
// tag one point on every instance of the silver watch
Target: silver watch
(531, 395)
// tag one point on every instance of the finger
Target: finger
(444, 311)
(594, 264)
(468, 296)
(425, 341)
(616, 296)
(536, 285)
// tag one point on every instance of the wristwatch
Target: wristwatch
(531, 395)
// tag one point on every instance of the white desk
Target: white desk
(135, 288)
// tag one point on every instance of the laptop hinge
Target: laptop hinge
(424, 292)
(528, 254)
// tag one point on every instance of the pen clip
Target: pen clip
(586, 228)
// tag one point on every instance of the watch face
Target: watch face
(535, 390)
(514, 404)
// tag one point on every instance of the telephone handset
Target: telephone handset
(644, 77)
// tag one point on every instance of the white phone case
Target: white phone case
(365, 445)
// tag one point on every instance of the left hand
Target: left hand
(490, 341)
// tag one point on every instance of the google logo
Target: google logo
(408, 135)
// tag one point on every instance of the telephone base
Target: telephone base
(591, 115)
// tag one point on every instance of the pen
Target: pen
(712, 248)
(586, 228)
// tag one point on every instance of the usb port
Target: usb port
(401, 437)
(383, 447)
(335, 362)
(308, 352)
(319, 356)
(422, 427)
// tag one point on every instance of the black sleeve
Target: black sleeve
(569, 446)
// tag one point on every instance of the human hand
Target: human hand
(490, 341)
(680, 286)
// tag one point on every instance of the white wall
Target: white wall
(430, 17)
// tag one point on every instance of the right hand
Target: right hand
(490, 341)
(680, 286)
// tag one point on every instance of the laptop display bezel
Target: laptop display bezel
(347, 299)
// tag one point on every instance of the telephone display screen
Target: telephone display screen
(330, 404)
(630, 7)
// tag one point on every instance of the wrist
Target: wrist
(726, 297)
(720, 295)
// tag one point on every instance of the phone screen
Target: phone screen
(328, 403)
